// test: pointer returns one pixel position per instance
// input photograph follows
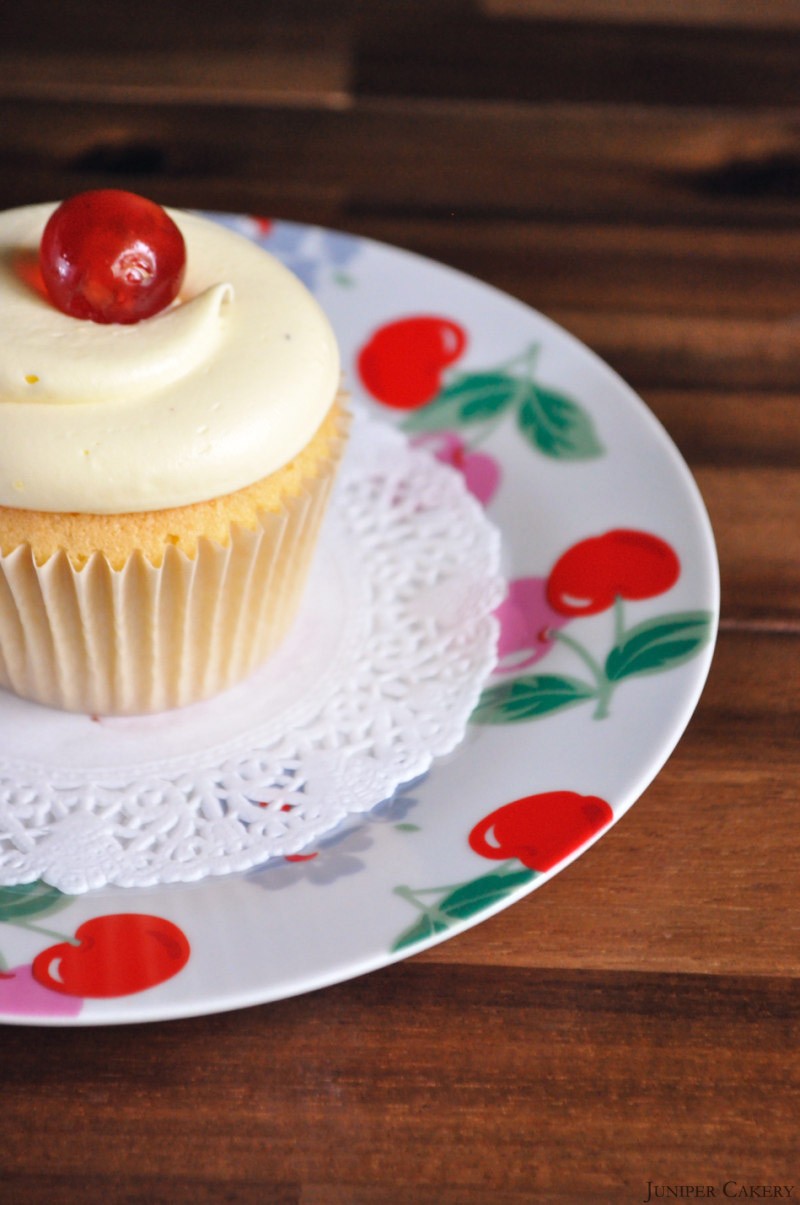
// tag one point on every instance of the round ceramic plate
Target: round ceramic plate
(606, 637)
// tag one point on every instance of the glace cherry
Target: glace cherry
(111, 256)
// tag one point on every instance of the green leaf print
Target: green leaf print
(557, 425)
(529, 697)
(421, 930)
(459, 902)
(468, 398)
(21, 902)
(489, 889)
(659, 644)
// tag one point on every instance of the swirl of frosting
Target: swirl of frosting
(221, 389)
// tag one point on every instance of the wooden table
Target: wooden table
(633, 170)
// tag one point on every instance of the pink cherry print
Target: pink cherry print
(527, 624)
(22, 996)
(481, 472)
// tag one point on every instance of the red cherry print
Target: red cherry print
(117, 955)
(540, 830)
(620, 564)
(111, 256)
(402, 363)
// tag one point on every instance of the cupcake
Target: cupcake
(163, 471)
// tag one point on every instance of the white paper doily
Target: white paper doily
(378, 676)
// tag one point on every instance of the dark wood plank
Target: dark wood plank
(453, 50)
(406, 1080)
(731, 429)
(298, 66)
(739, 14)
(676, 350)
(755, 514)
(707, 271)
(570, 163)
(88, 26)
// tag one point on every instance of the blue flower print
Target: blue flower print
(311, 253)
(338, 855)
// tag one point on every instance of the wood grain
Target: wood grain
(704, 271)
(739, 14)
(296, 71)
(406, 1077)
(673, 349)
(416, 49)
(580, 162)
(730, 430)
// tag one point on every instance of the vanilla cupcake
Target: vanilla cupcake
(162, 481)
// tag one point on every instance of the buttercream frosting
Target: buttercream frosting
(221, 389)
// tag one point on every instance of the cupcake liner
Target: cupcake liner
(147, 638)
(393, 642)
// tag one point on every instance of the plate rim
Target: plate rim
(135, 1009)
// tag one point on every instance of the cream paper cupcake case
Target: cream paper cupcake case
(147, 638)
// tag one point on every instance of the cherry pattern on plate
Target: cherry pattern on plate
(407, 364)
(113, 955)
(601, 573)
(528, 836)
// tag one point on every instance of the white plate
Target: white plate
(591, 497)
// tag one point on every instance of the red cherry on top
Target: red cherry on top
(111, 256)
